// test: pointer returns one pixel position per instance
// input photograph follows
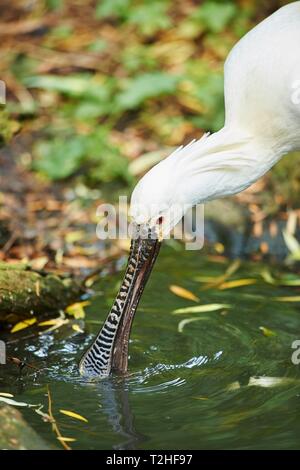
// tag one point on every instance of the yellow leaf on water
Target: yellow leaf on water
(77, 328)
(54, 324)
(184, 293)
(202, 308)
(23, 324)
(237, 283)
(292, 298)
(266, 332)
(185, 322)
(77, 309)
(7, 395)
(73, 415)
(54, 321)
(66, 439)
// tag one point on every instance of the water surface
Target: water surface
(213, 385)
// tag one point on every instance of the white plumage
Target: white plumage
(262, 73)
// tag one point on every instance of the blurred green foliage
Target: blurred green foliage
(106, 82)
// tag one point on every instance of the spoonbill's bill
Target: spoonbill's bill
(262, 101)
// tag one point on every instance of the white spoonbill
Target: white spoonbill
(262, 102)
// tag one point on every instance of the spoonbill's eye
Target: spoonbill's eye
(160, 220)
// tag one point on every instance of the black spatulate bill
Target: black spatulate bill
(109, 351)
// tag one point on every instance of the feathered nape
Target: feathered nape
(222, 150)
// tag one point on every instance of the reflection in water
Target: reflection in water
(116, 406)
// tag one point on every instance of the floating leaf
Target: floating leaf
(237, 283)
(269, 381)
(77, 309)
(54, 321)
(202, 308)
(291, 298)
(23, 324)
(266, 332)
(77, 328)
(73, 415)
(9, 401)
(7, 395)
(66, 439)
(185, 322)
(184, 293)
(54, 324)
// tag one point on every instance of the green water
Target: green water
(190, 390)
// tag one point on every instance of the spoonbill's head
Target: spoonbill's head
(213, 166)
(158, 199)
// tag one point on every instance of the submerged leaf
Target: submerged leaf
(267, 332)
(237, 283)
(73, 415)
(184, 293)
